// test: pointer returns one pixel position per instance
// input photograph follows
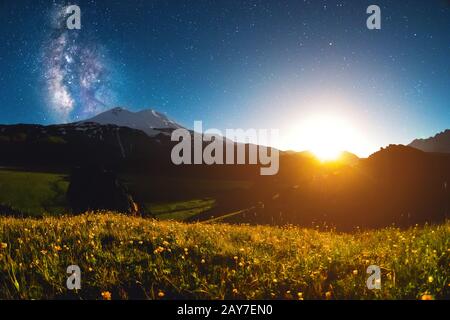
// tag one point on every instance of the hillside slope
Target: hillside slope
(135, 258)
(438, 143)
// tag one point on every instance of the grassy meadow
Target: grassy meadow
(125, 257)
(40, 194)
(34, 193)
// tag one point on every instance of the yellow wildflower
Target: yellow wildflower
(158, 250)
(106, 295)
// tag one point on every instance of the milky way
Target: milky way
(231, 64)
(75, 72)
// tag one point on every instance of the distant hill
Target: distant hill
(349, 158)
(150, 121)
(64, 146)
(398, 184)
(345, 157)
(438, 143)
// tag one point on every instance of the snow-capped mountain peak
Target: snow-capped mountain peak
(150, 121)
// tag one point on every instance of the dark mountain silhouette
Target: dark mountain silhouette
(123, 149)
(61, 147)
(349, 158)
(398, 184)
(438, 143)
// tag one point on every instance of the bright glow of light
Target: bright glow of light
(327, 136)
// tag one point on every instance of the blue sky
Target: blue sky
(233, 64)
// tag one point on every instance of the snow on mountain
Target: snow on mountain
(149, 121)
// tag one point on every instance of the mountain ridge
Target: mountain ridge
(149, 121)
(397, 184)
(437, 143)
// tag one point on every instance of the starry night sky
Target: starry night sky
(232, 64)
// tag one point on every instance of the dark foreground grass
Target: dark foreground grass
(134, 258)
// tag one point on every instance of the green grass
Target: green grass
(181, 210)
(136, 258)
(39, 194)
(33, 193)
